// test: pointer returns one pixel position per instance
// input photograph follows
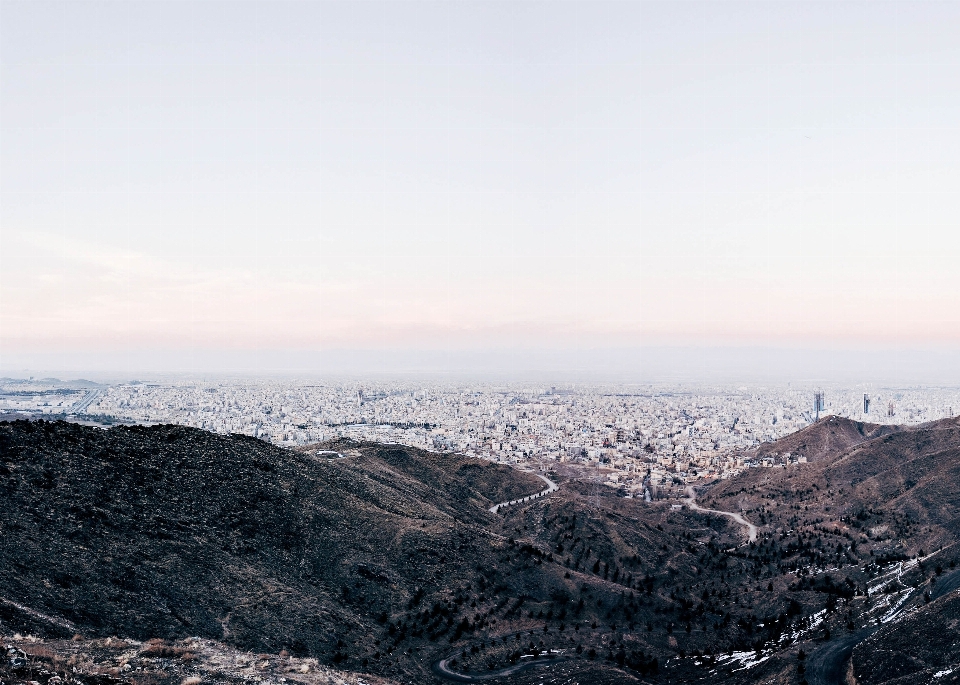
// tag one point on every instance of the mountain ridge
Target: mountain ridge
(384, 559)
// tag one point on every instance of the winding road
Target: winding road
(442, 668)
(551, 487)
(692, 503)
(825, 666)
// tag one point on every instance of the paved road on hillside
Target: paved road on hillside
(692, 502)
(948, 582)
(442, 668)
(827, 665)
(551, 487)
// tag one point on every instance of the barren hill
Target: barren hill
(892, 485)
(923, 648)
(385, 560)
(168, 531)
(826, 438)
(382, 559)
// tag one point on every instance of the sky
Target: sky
(202, 185)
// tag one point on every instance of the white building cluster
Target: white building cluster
(671, 435)
(631, 435)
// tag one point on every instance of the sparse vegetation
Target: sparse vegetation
(386, 560)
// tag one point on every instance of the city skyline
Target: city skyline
(397, 187)
(692, 432)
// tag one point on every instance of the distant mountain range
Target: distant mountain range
(76, 384)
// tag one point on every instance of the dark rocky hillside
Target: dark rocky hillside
(826, 439)
(452, 473)
(923, 648)
(871, 526)
(385, 560)
(894, 490)
(168, 531)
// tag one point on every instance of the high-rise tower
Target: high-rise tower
(818, 403)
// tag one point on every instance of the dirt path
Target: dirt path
(61, 622)
(692, 503)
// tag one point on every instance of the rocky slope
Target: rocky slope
(384, 560)
(893, 491)
(167, 531)
(827, 438)
(191, 661)
(922, 648)
(381, 560)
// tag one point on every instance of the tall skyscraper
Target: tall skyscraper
(818, 403)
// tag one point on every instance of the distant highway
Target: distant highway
(692, 502)
(82, 405)
(551, 487)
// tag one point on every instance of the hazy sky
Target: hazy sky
(208, 177)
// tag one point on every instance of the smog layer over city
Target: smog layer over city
(513, 342)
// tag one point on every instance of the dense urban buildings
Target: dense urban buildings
(632, 435)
